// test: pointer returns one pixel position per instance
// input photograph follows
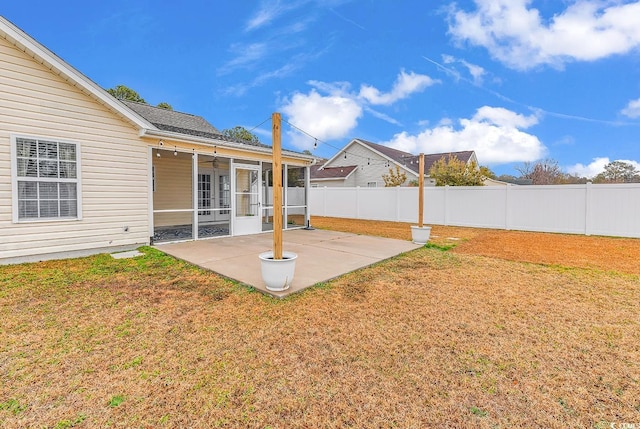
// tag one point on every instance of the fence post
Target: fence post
(357, 202)
(446, 203)
(397, 203)
(507, 207)
(587, 209)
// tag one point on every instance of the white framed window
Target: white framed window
(372, 184)
(46, 179)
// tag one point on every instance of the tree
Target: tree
(544, 172)
(487, 173)
(394, 178)
(507, 178)
(454, 172)
(240, 133)
(122, 92)
(573, 179)
(165, 105)
(618, 172)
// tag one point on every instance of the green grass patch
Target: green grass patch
(65, 424)
(116, 400)
(13, 406)
(440, 247)
(478, 412)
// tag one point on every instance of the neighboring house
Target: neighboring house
(332, 176)
(81, 172)
(362, 163)
(494, 182)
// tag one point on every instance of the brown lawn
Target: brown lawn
(427, 339)
(603, 253)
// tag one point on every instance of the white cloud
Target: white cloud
(448, 59)
(382, 116)
(405, 85)
(503, 117)
(477, 72)
(269, 11)
(590, 170)
(566, 140)
(324, 117)
(493, 132)
(245, 55)
(335, 115)
(518, 36)
(633, 109)
(596, 167)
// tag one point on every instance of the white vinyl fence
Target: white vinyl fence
(612, 209)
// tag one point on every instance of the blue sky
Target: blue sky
(514, 80)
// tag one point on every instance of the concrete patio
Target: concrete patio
(322, 255)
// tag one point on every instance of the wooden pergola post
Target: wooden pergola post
(276, 133)
(421, 191)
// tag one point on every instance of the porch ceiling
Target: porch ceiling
(322, 255)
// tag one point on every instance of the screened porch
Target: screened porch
(200, 196)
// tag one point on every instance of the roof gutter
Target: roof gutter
(147, 132)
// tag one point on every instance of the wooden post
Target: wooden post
(421, 191)
(277, 185)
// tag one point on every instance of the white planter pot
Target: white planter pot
(277, 274)
(420, 235)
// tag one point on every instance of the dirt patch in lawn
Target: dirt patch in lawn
(603, 253)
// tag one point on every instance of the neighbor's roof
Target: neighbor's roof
(326, 173)
(399, 156)
(410, 161)
(431, 158)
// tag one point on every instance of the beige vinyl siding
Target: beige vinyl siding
(358, 154)
(36, 102)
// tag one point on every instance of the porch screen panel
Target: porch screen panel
(246, 192)
(296, 203)
(173, 211)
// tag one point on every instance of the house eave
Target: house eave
(327, 179)
(205, 141)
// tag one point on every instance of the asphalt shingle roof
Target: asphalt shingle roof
(170, 120)
(317, 172)
(412, 161)
(397, 155)
(186, 123)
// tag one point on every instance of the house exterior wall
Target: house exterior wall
(328, 183)
(35, 102)
(360, 155)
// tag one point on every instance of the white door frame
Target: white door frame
(212, 197)
(246, 219)
(219, 215)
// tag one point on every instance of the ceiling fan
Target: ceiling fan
(213, 162)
